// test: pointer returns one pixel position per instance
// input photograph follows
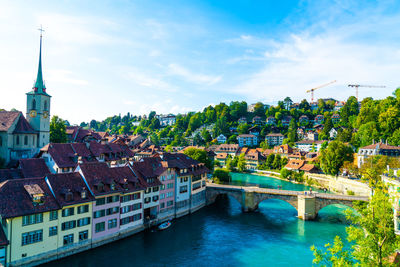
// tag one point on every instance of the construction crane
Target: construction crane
(313, 89)
(370, 86)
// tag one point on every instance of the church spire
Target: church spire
(39, 86)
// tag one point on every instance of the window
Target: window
(112, 223)
(68, 225)
(137, 217)
(32, 219)
(125, 209)
(148, 190)
(162, 205)
(33, 104)
(136, 196)
(68, 239)
(53, 215)
(155, 198)
(68, 212)
(100, 227)
(32, 237)
(83, 221)
(112, 210)
(126, 220)
(99, 213)
(170, 203)
(53, 231)
(100, 201)
(170, 194)
(83, 209)
(17, 139)
(125, 198)
(155, 189)
(183, 189)
(170, 185)
(84, 235)
(137, 206)
(45, 105)
(162, 187)
(147, 199)
(26, 140)
(112, 199)
(162, 196)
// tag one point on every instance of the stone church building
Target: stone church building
(22, 137)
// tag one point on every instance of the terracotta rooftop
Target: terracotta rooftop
(33, 167)
(72, 184)
(381, 145)
(15, 200)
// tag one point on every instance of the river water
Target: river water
(221, 235)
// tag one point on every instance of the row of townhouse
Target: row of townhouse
(60, 214)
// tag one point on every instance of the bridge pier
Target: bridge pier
(306, 207)
(249, 203)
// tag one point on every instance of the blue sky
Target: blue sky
(102, 58)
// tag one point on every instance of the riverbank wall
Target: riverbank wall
(338, 184)
(63, 252)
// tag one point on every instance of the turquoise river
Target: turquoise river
(221, 235)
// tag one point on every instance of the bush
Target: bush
(350, 193)
(285, 173)
(222, 175)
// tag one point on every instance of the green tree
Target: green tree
(371, 235)
(199, 155)
(232, 139)
(206, 135)
(241, 164)
(57, 130)
(276, 164)
(269, 161)
(222, 175)
(333, 157)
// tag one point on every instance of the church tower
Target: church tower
(38, 105)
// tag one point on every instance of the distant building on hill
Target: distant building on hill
(274, 139)
(377, 149)
(247, 140)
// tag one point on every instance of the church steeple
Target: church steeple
(39, 86)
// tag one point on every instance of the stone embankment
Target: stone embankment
(339, 184)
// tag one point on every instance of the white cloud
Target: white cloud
(304, 61)
(175, 69)
(148, 81)
(64, 76)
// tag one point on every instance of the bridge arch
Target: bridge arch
(322, 203)
(211, 195)
(292, 200)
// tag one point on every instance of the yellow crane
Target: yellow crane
(370, 86)
(313, 89)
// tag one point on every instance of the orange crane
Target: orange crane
(313, 89)
(370, 86)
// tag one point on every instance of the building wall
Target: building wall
(182, 199)
(133, 212)
(15, 229)
(167, 178)
(106, 218)
(75, 231)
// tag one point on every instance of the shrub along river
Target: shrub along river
(221, 235)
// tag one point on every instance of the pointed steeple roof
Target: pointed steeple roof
(39, 86)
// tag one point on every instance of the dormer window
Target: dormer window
(112, 186)
(69, 196)
(100, 187)
(36, 193)
(83, 194)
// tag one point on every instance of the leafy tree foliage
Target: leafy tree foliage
(57, 130)
(333, 157)
(199, 155)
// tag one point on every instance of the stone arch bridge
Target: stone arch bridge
(307, 205)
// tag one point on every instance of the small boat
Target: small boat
(164, 226)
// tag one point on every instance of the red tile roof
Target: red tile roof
(33, 167)
(7, 118)
(381, 145)
(7, 174)
(65, 183)
(15, 201)
(23, 126)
